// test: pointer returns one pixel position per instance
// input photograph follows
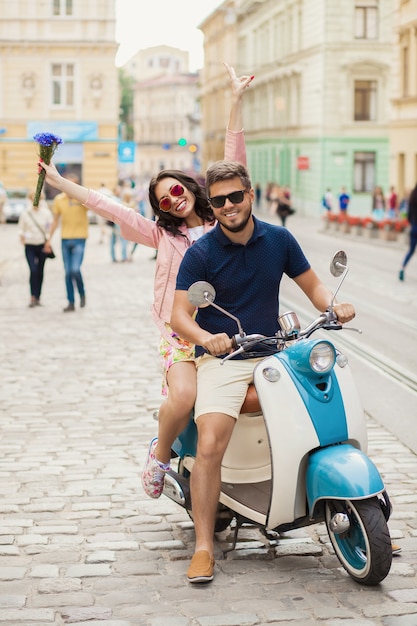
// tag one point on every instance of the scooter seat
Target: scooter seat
(251, 403)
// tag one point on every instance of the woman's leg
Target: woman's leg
(32, 262)
(76, 261)
(412, 248)
(39, 273)
(173, 418)
(67, 246)
(113, 244)
(174, 412)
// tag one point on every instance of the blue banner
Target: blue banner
(68, 131)
(127, 152)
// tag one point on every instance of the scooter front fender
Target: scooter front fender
(341, 472)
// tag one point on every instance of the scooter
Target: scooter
(300, 459)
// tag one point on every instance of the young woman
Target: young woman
(34, 231)
(182, 214)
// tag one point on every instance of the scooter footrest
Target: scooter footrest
(177, 488)
(252, 495)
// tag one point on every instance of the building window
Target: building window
(366, 19)
(63, 84)
(364, 172)
(62, 7)
(365, 101)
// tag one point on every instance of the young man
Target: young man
(344, 199)
(244, 259)
(72, 216)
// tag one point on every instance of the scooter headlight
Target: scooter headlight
(322, 357)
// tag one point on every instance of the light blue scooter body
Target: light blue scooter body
(341, 472)
(319, 424)
(186, 442)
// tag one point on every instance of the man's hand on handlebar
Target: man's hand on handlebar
(219, 344)
(345, 312)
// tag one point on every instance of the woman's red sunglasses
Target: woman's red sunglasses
(165, 203)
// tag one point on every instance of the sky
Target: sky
(169, 22)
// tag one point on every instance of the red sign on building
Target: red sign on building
(303, 163)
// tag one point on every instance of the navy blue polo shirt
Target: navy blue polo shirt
(246, 277)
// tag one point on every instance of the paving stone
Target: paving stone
(81, 571)
(79, 539)
(12, 601)
(27, 616)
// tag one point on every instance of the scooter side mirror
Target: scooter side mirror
(338, 264)
(201, 294)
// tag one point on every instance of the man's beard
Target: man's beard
(239, 227)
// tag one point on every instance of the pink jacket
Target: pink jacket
(171, 248)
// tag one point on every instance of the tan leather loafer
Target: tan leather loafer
(201, 568)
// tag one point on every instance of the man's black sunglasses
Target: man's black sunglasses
(236, 197)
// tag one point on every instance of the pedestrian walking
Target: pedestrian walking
(100, 220)
(3, 198)
(34, 231)
(258, 196)
(327, 200)
(70, 213)
(140, 199)
(284, 209)
(412, 219)
(273, 195)
(281, 203)
(344, 199)
(117, 240)
(378, 203)
(403, 205)
(392, 202)
(183, 214)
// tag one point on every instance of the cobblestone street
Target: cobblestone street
(80, 542)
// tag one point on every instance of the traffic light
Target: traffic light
(193, 148)
(182, 141)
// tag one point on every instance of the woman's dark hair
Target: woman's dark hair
(202, 206)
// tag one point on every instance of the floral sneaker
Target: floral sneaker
(153, 472)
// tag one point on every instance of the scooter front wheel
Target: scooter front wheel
(364, 548)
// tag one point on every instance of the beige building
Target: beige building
(157, 60)
(403, 130)
(58, 75)
(166, 114)
(317, 114)
(221, 33)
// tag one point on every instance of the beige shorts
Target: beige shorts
(222, 388)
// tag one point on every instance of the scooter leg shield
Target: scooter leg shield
(186, 443)
(341, 472)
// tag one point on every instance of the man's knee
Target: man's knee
(214, 430)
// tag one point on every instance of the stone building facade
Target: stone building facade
(57, 74)
(317, 114)
(403, 128)
(166, 113)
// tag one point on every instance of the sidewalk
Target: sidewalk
(80, 543)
